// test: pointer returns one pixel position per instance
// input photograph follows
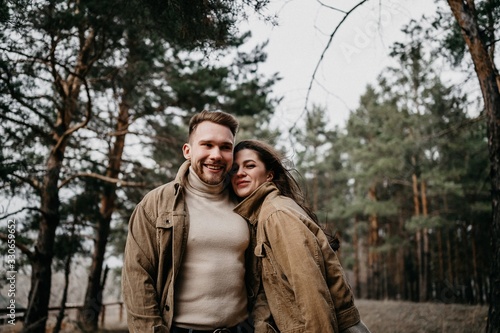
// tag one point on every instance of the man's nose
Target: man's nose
(215, 153)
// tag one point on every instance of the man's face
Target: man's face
(210, 150)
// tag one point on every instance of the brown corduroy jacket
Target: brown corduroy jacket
(304, 286)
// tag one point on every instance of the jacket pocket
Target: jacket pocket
(165, 220)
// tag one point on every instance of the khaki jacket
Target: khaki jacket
(156, 240)
(304, 286)
(153, 255)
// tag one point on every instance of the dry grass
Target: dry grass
(379, 317)
(407, 317)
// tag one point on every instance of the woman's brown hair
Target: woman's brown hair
(282, 177)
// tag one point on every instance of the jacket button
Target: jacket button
(167, 307)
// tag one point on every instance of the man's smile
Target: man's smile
(214, 167)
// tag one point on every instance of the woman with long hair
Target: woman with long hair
(302, 285)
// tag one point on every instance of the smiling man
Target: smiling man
(184, 261)
(210, 150)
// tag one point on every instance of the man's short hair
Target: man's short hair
(218, 117)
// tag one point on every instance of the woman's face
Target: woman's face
(248, 173)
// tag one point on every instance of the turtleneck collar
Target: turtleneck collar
(199, 187)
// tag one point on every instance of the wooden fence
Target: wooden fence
(5, 314)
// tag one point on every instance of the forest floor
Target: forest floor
(408, 317)
(379, 317)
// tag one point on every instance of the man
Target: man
(184, 261)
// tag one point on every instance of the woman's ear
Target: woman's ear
(270, 176)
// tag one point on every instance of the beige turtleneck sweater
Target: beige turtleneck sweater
(210, 290)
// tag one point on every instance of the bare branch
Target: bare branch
(455, 128)
(118, 182)
(79, 125)
(330, 7)
(313, 78)
(3, 217)
(169, 139)
(80, 75)
(123, 132)
(35, 184)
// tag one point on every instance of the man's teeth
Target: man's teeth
(213, 167)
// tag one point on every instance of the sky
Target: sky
(358, 52)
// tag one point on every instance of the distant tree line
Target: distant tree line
(406, 182)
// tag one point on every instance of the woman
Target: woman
(303, 286)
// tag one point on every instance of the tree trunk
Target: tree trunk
(357, 282)
(62, 308)
(477, 290)
(373, 259)
(426, 255)
(464, 13)
(41, 274)
(315, 191)
(89, 313)
(400, 259)
(418, 235)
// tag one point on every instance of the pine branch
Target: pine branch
(23, 248)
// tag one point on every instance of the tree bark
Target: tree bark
(62, 307)
(426, 255)
(357, 282)
(464, 13)
(89, 313)
(373, 258)
(418, 236)
(41, 275)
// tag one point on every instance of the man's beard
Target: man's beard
(209, 178)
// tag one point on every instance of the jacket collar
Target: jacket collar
(250, 207)
(180, 178)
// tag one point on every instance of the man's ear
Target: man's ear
(186, 151)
